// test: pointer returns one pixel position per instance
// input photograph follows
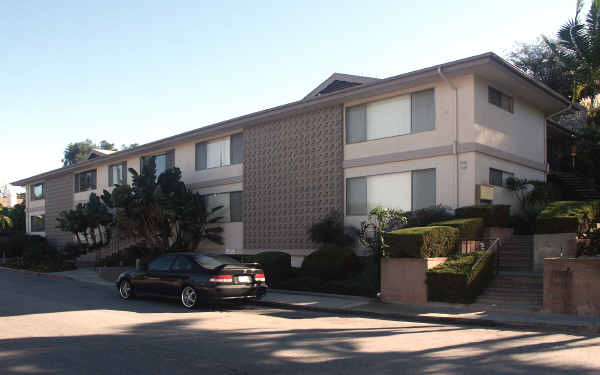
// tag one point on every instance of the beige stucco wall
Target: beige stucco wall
(571, 286)
(444, 167)
(520, 133)
(442, 135)
(403, 279)
(503, 195)
(233, 233)
(550, 246)
(33, 208)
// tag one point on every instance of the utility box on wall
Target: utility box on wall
(484, 193)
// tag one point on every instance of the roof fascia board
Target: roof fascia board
(365, 90)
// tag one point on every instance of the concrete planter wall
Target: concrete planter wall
(403, 279)
(571, 286)
(504, 234)
(550, 246)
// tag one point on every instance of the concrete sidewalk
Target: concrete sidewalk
(430, 312)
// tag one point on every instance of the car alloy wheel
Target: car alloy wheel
(189, 297)
(125, 289)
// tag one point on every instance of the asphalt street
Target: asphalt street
(56, 326)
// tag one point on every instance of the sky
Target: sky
(138, 71)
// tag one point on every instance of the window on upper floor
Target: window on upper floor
(498, 177)
(117, 174)
(405, 191)
(37, 223)
(162, 162)
(85, 181)
(37, 192)
(500, 99)
(232, 206)
(220, 152)
(412, 113)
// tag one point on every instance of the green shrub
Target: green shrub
(493, 215)
(331, 231)
(276, 264)
(456, 280)
(469, 229)
(331, 263)
(421, 242)
(428, 215)
(303, 283)
(20, 241)
(565, 216)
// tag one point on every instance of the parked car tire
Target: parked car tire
(189, 297)
(126, 289)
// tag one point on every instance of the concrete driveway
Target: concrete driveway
(68, 327)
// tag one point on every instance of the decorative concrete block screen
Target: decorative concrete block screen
(59, 197)
(293, 176)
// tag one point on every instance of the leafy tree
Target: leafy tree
(538, 60)
(131, 145)
(5, 221)
(105, 145)
(17, 215)
(78, 151)
(161, 211)
(86, 220)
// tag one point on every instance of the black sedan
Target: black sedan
(195, 277)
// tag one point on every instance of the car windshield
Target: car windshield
(214, 261)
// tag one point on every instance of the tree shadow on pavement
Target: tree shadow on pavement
(191, 346)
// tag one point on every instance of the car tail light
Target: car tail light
(259, 277)
(221, 279)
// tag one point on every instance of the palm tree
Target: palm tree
(577, 48)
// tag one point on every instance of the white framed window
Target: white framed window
(85, 181)
(37, 192)
(232, 206)
(499, 177)
(500, 99)
(37, 223)
(218, 153)
(405, 191)
(405, 114)
(117, 174)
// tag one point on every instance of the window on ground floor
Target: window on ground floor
(232, 210)
(37, 223)
(406, 191)
(499, 177)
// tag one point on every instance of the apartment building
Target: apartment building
(439, 135)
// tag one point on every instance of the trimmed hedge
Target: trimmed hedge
(456, 281)
(565, 216)
(469, 229)
(331, 263)
(421, 242)
(276, 264)
(493, 215)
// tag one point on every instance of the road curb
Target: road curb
(35, 273)
(480, 322)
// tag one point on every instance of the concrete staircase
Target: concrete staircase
(577, 186)
(90, 258)
(516, 286)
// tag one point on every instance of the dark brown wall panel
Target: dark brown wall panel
(293, 176)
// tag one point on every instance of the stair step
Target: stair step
(524, 291)
(510, 299)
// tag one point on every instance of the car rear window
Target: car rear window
(214, 261)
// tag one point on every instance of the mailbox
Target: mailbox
(485, 192)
